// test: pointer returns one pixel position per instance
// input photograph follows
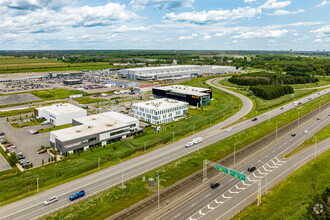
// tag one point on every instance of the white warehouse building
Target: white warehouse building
(172, 72)
(160, 111)
(60, 114)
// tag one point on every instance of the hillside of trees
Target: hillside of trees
(271, 91)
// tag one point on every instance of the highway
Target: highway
(32, 207)
(203, 199)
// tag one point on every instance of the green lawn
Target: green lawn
(54, 128)
(88, 100)
(289, 199)
(84, 163)
(97, 207)
(50, 94)
(16, 112)
(321, 135)
(31, 123)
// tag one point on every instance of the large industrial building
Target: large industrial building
(193, 95)
(94, 130)
(172, 72)
(160, 111)
(121, 83)
(59, 114)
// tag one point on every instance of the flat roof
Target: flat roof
(160, 104)
(72, 80)
(162, 67)
(61, 108)
(94, 124)
(185, 89)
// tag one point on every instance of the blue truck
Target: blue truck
(77, 195)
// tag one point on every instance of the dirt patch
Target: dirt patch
(18, 98)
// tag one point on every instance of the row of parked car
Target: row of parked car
(195, 141)
(21, 159)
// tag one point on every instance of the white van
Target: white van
(50, 200)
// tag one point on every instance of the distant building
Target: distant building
(60, 114)
(193, 95)
(94, 130)
(121, 83)
(160, 111)
(172, 72)
(144, 88)
(175, 62)
(72, 82)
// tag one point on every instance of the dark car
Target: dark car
(2, 133)
(42, 151)
(215, 185)
(293, 134)
(281, 108)
(318, 118)
(251, 169)
(254, 119)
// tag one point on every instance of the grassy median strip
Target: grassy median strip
(22, 185)
(290, 198)
(115, 200)
(320, 136)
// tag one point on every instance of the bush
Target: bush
(271, 91)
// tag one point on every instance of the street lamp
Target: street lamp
(173, 136)
(314, 146)
(37, 184)
(99, 163)
(266, 177)
(234, 154)
(122, 173)
(158, 180)
(194, 129)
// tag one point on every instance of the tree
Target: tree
(13, 159)
(48, 159)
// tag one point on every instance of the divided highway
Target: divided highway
(32, 207)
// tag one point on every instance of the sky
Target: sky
(165, 24)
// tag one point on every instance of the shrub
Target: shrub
(271, 91)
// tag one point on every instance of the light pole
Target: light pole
(276, 130)
(158, 180)
(234, 154)
(194, 129)
(266, 178)
(37, 184)
(173, 136)
(99, 163)
(122, 173)
(314, 146)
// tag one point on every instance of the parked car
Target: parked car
(8, 145)
(251, 169)
(198, 140)
(254, 119)
(189, 144)
(50, 200)
(42, 151)
(215, 185)
(77, 195)
(2, 133)
(229, 129)
(45, 123)
(293, 134)
(34, 132)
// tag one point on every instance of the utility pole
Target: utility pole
(266, 178)
(122, 173)
(314, 146)
(37, 185)
(234, 154)
(158, 180)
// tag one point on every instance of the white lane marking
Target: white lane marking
(216, 201)
(233, 192)
(251, 180)
(208, 195)
(273, 151)
(267, 155)
(276, 163)
(177, 215)
(239, 188)
(209, 207)
(258, 177)
(245, 184)
(200, 212)
(225, 197)
(259, 161)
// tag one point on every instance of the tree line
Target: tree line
(269, 92)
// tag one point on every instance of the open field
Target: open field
(136, 190)
(88, 100)
(289, 199)
(84, 163)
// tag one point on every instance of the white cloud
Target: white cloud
(33, 4)
(273, 4)
(261, 34)
(124, 28)
(272, 41)
(162, 4)
(285, 12)
(212, 16)
(188, 37)
(325, 30)
(318, 40)
(324, 3)
(221, 34)
(249, 0)
(235, 41)
(206, 37)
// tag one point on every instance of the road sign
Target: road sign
(222, 169)
(237, 175)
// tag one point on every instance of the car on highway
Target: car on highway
(189, 144)
(77, 195)
(293, 134)
(198, 140)
(305, 131)
(252, 168)
(254, 119)
(318, 118)
(309, 98)
(229, 129)
(281, 108)
(42, 151)
(50, 200)
(214, 185)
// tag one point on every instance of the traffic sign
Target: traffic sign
(237, 175)
(222, 169)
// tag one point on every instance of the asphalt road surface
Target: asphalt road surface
(32, 207)
(202, 201)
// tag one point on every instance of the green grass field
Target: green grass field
(88, 100)
(54, 128)
(289, 199)
(137, 190)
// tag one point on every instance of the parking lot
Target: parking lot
(27, 143)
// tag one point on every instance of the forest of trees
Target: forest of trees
(271, 91)
(264, 78)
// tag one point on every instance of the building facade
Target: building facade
(94, 130)
(193, 95)
(60, 113)
(160, 111)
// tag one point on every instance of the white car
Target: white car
(306, 132)
(189, 144)
(50, 200)
(198, 140)
(229, 129)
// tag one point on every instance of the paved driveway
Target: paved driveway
(4, 164)
(27, 143)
